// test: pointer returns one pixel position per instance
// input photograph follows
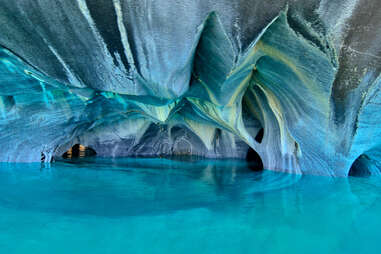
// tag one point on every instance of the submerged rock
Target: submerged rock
(297, 82)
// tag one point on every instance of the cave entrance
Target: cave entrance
(79, 151)
(362, 167)
(254, 160)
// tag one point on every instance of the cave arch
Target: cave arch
(79, 151)
(364, 166)
(254, 160)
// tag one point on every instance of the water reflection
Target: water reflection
(207, 200)
(134, 186)
(128, 187)
(125, 187)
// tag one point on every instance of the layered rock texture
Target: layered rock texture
(194, 77)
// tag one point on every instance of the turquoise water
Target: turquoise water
(163, 206)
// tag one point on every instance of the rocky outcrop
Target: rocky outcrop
(145, 78)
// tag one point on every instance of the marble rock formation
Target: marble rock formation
(194, 77)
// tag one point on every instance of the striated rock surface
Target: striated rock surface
(205, 78)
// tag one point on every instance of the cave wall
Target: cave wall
(157, 78)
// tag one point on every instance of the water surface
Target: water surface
(168, 206)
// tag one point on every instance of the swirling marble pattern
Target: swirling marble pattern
(194, 78)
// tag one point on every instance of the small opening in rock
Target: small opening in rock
(360, 167)
(254, 160)
(79, 151)
(259, 135)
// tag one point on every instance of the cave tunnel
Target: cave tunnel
(79, 151)
(254, 160)
(363, 166)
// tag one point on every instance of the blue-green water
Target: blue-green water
(163, 206)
